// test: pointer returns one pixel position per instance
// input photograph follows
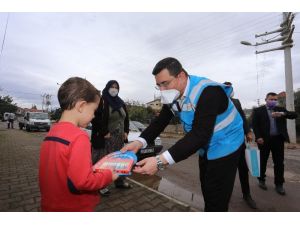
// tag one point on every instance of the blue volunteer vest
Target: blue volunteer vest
(228, 132)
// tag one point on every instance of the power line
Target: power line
(3, 41)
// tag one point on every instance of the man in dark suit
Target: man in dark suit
(269, 126)
(242, 167)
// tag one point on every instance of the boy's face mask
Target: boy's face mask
(169, 96)
(113, 92)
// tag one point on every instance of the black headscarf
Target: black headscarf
(115, 102)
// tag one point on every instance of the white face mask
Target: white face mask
(168, 96)
(113, 92)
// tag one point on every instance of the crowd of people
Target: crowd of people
(214, 123)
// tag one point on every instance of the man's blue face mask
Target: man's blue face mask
(271, 103)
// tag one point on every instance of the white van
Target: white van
(6, 116)
(35, 120)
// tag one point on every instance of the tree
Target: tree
(7, 105)
(55, 114)
(297, 109)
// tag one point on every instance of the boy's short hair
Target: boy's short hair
(75, 89)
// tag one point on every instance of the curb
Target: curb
(164, 195)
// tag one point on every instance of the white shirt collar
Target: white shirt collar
(186, 88)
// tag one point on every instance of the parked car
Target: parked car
(151, 150)
(35, 120)
(139, 125)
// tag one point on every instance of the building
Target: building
(22, 111)
(281, 98)
(155, 105)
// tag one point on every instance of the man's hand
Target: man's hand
(277, 114)
(260, 141)
(134, 146)
(249, 136)
(146, 166)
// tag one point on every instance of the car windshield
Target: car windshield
(132, 127)
(139, 125)
(40, 116)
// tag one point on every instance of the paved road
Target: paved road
(19, 191)
(182, 182)
(19, 155)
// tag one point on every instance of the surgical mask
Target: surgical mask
(168, 96)
(113, 92)
(271, 103)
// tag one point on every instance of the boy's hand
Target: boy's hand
(114, 176)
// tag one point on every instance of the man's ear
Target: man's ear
(79, 105)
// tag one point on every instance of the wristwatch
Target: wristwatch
(159, 163)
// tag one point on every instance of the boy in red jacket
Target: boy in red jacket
(66, 178)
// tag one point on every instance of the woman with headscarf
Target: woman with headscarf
(110, 127)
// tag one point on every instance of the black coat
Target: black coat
(238, 106)
(100, 124)
(261, 122)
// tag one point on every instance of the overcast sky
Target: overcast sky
(43, 49)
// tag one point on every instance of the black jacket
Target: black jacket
(261, 122)
(212, 102)
(238, 106)
(100, 124)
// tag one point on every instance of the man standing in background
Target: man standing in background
(242, 167)
(269, 126)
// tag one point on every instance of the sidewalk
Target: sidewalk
(19, 191)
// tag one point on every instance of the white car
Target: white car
(135, 131)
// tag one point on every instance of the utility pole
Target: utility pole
(286, 30)
(46, 102)
(291, 124)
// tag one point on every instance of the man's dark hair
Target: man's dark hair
(271, 94)
(75, 89)
(171, 64)
(227, 83)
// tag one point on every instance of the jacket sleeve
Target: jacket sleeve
(239, 108)
(126, 121)
(255, 124)
(158, 125)
(290, 114)
(80, 170)
(212, 102)
(103, 122)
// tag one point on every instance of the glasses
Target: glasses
(164, 84)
